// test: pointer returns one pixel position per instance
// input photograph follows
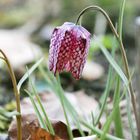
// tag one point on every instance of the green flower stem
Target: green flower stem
(17, 95)
(97, 8)
(64, 109)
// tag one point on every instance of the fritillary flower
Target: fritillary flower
(68, 49)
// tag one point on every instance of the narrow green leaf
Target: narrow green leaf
(129, 114)
(111, 117)
(41, 121)
(99, 132)
(59, 92)
(63, 106)
(25, 76)
(3, 118)
(7, 114)
(56, 87)
(121, 15)
(106, 94)
(117, 116)
(113, 62)
(35, 94)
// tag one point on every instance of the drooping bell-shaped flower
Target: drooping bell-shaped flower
(68, 49)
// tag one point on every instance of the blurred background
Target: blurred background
(26, 27)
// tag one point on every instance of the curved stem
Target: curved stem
(97, 8)
(17, 95)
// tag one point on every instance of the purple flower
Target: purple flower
(68, 49)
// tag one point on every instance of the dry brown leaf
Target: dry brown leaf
(37, 133)
(30, 122)
(60, 129)
(82, 103)
(12, 132)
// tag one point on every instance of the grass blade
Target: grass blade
(121, 15)
(26, 75)
(35, 94)
(117, 117)
(111, 117)
(59, 92)
(56, 87)
(130, 117)
(7, 114)
(106, 94)
(41, 121)
(64, 109)
(99, 132)
(121, 18)
(112, 62)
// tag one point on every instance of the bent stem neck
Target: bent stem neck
(16, 93)
(124, 57)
